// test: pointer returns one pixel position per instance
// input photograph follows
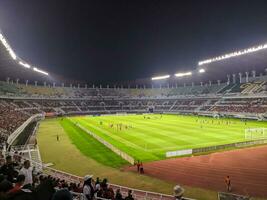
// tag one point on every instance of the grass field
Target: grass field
(67, 155)
(149, 137)
(78, 153)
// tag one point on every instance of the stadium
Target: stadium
(190, 129)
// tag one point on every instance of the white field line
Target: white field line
(116, 137)
(122, 154)
(151, 123)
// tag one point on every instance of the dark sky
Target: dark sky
(128, 39)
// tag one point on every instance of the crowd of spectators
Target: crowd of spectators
(10, 120)
(14, 113)
(64, 100)
(20, 181)
(253, 105)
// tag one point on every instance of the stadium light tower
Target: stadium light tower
(160, 77)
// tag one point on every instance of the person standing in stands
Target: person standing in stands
(130, 196)
(228, 183)
(118, 195)
(26, 170)
(88, 189)
(8, 169)
(19, 184)
(57, 137)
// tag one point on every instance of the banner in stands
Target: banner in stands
(50, 114)
(179, 153)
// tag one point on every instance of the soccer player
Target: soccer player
(141, 168)
(138, 166)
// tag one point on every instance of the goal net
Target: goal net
(255, 133)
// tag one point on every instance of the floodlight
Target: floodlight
(201, 70)
(40, 71)
(160, 77)
(24, 64)
(234, 54)
(19, 61)
(8, 48)
(183, 74)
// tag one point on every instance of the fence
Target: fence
(137, 194)
(225, 146)
(215, 148)
(16, 133)
(122, 154)
(227, 196)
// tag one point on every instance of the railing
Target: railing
(225, 146)
(137, 194)
(16, 133)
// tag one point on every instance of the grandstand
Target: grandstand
(234, 87)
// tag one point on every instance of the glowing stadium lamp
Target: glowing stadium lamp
(8, 48)
(40, 71)
(183, 74)
(19, 61)
(24, 64)
(160, 77)
(233, 54)
(201, 70)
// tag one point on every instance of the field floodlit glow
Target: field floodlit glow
(149, 137)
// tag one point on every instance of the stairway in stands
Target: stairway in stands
(35, 156)
(30, 152)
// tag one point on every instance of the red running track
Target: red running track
(247, 169)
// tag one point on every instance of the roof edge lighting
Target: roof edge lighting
(233, 54)
(40, 71)
(183, 74)
(160, 77)
(24, 64)
(8, 48)
(201, 70)
(15, 57)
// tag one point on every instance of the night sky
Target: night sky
(100, 41)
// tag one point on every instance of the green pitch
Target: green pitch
(149, 137)
(78, 153)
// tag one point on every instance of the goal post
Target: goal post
(255, 133)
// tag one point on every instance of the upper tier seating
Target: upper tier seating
(21, 90)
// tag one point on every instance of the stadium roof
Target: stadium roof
(218, 70)
(244, 63)
(212, 69)
(13, 67)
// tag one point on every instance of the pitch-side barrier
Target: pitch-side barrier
(215, 148)
(122, 154)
